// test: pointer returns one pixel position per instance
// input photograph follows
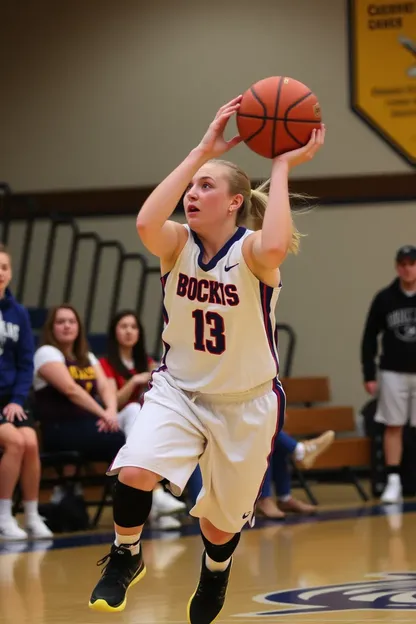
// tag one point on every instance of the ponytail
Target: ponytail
(253, 208)
(253, 214)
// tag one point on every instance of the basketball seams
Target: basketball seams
(263, 117)
(298, 101)
(267, 118)
(276, 108)
(292, 136)
(287, 119)
(257, 97)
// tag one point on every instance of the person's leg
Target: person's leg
(163, 443)
(266, 505)
(30, 480)
(208, 598)
(282, 482)
(164, 504)
(393, 411)
(233, 467)
(12, 445)
(305, 452)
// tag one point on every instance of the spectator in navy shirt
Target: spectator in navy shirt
(18, 440)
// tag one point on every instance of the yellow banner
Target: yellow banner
(383, 70)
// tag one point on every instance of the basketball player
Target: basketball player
(216, 399)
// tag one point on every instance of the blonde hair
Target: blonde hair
(251, 213)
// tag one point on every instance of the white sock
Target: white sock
(285, 498)
(299, 451)
(132, 541)
(216, 566)
(5, 508)
(31, 509)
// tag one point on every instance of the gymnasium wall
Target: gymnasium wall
(110, 94)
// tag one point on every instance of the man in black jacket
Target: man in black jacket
(393, 315)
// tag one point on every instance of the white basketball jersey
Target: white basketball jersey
(220, 331)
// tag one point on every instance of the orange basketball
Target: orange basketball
(276, 115)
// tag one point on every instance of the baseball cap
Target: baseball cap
(406, 252)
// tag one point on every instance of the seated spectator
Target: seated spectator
(18, 439)
(75, 403)
(127, 364)
(305, 453)
(128, 367)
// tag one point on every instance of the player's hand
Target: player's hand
(371, 387)
(213, 143)
(14, 410)
(307, 152)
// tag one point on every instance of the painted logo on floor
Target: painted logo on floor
(394, 591)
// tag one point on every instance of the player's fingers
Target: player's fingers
(231, 103)
(230, 110)
(312, 140)
(231, 107)
(234, 141)
(218, 125)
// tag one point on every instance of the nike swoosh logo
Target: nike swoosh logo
(231, 267)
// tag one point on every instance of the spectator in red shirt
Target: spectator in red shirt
(127, 363)
(128, 366)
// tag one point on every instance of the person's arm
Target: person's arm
(372, 328)
(57, 375)
(24, 364)
(270, 245)
(166, 238)
(24, 371)
(125, 392)
(105, 389)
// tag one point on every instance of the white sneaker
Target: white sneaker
(37, 529)
(166, 504)
(10, 530)
(315, 447)
(392, 493)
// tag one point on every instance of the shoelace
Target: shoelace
(112, 573)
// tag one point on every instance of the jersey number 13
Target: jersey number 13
(209, 332)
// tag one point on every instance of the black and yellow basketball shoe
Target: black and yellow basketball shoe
(123, 570)
(206, 603)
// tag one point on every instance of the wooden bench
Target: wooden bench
(348, 453)
(306, 390)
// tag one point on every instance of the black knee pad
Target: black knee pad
(131, 507)
(224, 551)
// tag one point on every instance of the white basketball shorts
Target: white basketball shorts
(397, 399)
(231, 436)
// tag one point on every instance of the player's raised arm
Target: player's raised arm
(159, 235)
(273, 241)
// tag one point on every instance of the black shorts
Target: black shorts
(29, 422)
